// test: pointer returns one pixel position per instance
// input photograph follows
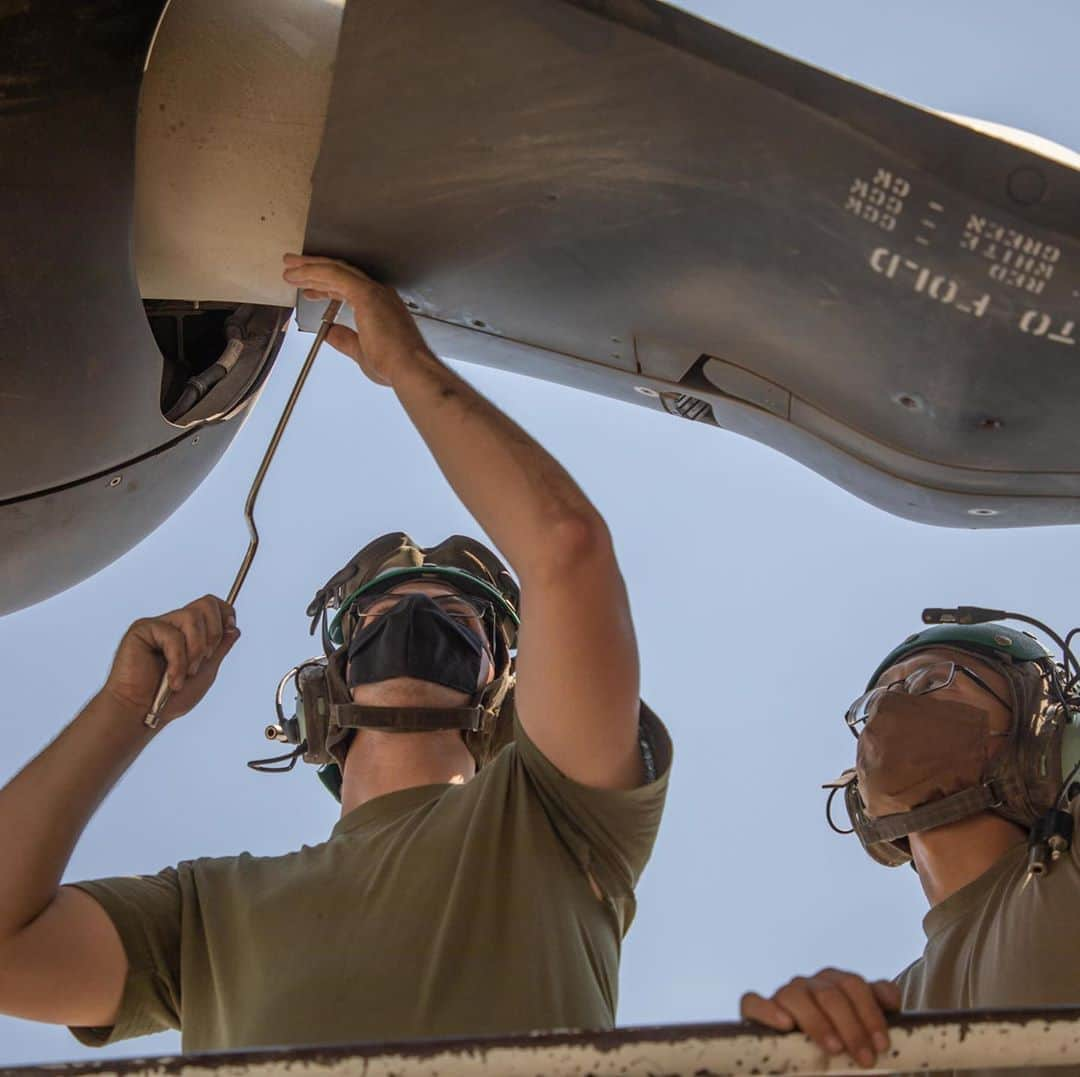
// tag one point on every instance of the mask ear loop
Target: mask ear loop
(828, 812)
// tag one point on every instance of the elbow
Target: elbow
(575, 543)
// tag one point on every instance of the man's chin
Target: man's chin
(407, 692)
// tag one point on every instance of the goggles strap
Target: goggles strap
(949, 809)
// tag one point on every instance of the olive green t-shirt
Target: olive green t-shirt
(434, 911)
(1002, 941)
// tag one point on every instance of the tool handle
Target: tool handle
(161, 696)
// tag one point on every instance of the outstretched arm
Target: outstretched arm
(577, 690)
(61, 959)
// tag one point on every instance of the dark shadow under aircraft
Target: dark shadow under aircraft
(610, 194)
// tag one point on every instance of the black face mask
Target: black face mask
(416, 639)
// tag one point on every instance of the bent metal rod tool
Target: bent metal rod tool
(161, 697)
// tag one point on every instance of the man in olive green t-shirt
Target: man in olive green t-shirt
(964, 743)
(448, 900)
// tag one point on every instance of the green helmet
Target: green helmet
(992, 641)
(464, 581)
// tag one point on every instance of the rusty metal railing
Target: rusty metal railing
(1009, 1039)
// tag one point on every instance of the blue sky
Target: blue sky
(762, 595)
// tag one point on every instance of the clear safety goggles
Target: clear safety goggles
(926, 679)
(469, 610)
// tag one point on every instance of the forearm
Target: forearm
(520, 494)
(522, 497)
(45, 808)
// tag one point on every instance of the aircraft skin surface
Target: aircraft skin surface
(625, 198)
(90, 464)
(619, 197)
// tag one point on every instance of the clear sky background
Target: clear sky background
(763, 597)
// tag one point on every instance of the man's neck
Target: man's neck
(951, 856)
(379, 763)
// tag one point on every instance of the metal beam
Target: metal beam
(1006, 1039)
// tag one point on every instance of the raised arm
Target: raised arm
(61, 959)
(577, 689)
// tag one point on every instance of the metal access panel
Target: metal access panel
(621, 197)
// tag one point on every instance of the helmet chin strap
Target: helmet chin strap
(468, 718)
(407, 719)
(950, 809)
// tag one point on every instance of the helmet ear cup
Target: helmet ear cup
(1070, 756)
(313, 710)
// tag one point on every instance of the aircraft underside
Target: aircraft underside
(610, 194)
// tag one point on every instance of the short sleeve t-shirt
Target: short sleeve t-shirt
(433, 911)
(1003, 941)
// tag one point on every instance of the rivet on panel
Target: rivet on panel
(1027, 186)
(984, 512)
(910, 401)
(645, 390)
(116, 480)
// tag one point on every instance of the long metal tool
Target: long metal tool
(161, 697)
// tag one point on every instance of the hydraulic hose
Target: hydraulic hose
(199, 385)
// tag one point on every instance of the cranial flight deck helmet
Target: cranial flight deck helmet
(1031, 781)
(326, 718)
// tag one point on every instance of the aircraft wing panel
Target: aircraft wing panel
(652, 200)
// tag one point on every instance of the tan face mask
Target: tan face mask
(916, 749)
